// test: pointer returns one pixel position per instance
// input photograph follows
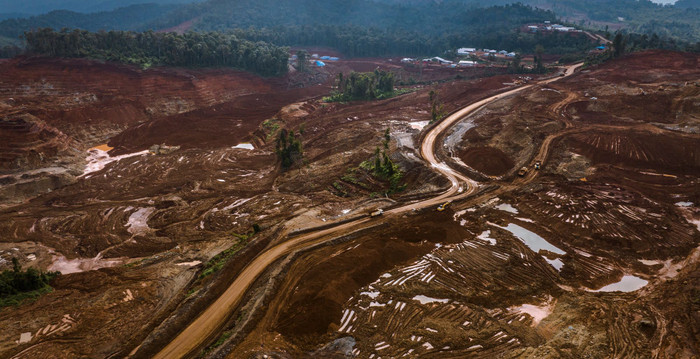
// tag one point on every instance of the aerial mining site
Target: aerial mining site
(478, 213)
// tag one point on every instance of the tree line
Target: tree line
(192, 49)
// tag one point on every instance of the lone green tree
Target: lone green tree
(539, 65)
(302, 60)
(515, 65)
(288, 148)
(437, 109)
(618, 45)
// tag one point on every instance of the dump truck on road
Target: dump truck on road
(522, 172)
(376, 213)
(538, 165)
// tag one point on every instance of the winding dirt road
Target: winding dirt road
(208, 324)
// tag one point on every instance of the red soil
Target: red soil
(673, 154)
(488, 160)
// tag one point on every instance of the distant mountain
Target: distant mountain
(437, 18)
(135, 17)
(421, 16)
(685, 4)
(13, 15)
(36, 7)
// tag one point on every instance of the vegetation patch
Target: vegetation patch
(17, 285)
(224, 336)
(271, 126)
(378, 176)
(289, 148)
(216, 263)
(362, 86)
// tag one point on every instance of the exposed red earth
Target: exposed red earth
(508, 271)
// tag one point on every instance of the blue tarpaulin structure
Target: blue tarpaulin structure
(320, 63)
(601, 47)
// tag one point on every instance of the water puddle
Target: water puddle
(418, 125)
(67, 266)
(556, 263)
(628, 283)
(507, 208)
(98, 158)
(189, 264)
(138, 221)
(536, 312)
(245, 146)
(484, 236)
(531, 239)
(425, 300)
(455, 137)
(371, 294)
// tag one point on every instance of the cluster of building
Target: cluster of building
(327, 58)
(468, 51)
(547, 26)
(441, 61)
(464, 51)
(315, 59)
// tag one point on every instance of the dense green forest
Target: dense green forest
(16, 284)
(192, 49)
(416, 34)
(432, 19)
(355, 41)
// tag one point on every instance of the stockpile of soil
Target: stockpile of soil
(488, 160)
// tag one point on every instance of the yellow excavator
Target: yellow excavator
(443, 206)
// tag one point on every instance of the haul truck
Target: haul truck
(376, 213)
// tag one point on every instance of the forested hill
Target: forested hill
(135, 17)
(38, 7)
(684, 4)
(193, 49)
(431, 17)
(418, 16)
(680, 21)
(446, 17)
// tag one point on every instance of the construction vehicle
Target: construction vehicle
(538, 165)
(443, 206)
(522, 172)
(376, 213)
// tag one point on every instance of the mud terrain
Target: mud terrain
(593, 255)
(569, 261)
